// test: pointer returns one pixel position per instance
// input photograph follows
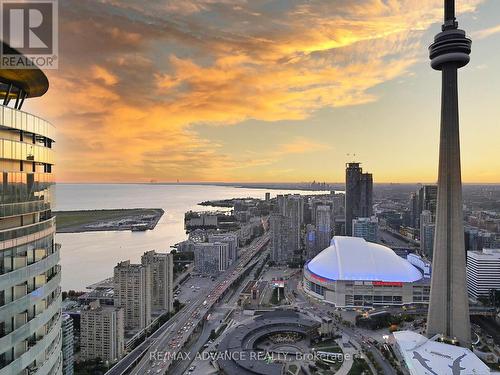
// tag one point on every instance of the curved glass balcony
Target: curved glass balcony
(25, 302)
(23, 208)
(39, 347)
(17, 187)
(16, 119)
(54, 364)
(28, 329)
(16, 150)
(20, 275)
(13, 233)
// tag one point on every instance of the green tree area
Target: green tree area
(360, 367)
(274, 298)
(91, 367)
(181, 259)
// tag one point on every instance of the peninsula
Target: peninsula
(135, 219)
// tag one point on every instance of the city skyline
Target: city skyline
(179, 92)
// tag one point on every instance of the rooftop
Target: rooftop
(424, 356)
(486, 254)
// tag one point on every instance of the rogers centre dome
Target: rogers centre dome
(354, 272)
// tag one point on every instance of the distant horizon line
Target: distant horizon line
(253, 183)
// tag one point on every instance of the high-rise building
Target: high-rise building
(478, 239)
(211, 258)
(338, 201)
(102, 332)
(280, 227)
(232, 241)
(483, 272)
(414, 210)
(358, 195)
(67, 345)
(449, 304)
(366, 227)
(292, 206)
(426, 233)
(310, 241)
(323, 227)
(30, 274)
(427, 199)
(132, 288)
(162, 279)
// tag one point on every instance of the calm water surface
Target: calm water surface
(89, 257)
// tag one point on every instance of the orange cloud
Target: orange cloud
(301, 146)
(127, 95)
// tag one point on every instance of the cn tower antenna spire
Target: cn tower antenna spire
(449, 15)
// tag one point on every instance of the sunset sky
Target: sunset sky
(276, 90)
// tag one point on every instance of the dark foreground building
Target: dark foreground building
(358, 195)
(30, 275)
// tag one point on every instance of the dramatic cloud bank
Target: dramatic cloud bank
(136, 76)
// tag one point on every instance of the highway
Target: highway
(379, 358)
(165, 347)
(313, 306)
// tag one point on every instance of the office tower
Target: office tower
(414, 210)
(311, 247)
(483, 272)
(366, 201)
(365, 227)
(292, 206)
(449, 305)
(67, 344)
(338, 201)
(323, 227)
(280, 227)
(427, 239)
(211, 258)
(268, 197)
(102, 332)
(425, 221)
(280, 204)
(427, 199)
(162, 279)
(358, 195)
(477, 239)
(232, 241)
(132, 288)
(30, 275)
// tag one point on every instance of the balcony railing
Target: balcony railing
(23, 208)
(24, 360)
(31, 326)
(15, 119)
(12, 233)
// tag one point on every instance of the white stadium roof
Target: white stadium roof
(353, 258)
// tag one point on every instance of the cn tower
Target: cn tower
(449, 306)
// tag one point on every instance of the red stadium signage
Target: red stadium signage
(387, 283)
(321, 279)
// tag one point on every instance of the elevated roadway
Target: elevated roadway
(160, 350)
